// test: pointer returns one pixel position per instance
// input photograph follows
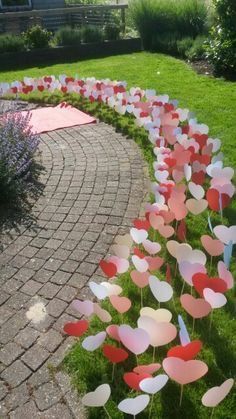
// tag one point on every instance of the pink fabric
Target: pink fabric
(61, 116)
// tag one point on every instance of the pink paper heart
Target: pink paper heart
(122, 265)
(147, 369)
(225, 274)
(213, 246)
(113, 332)
(121, 304)
(154, 263)
(84, 307)
(188, 269)
(160, 333)
(166, 231)
(178, 208)
(195, 206)
(151, 247)
(155, 220)
(196, 307)
(215, 395)
(184, 372)
(136, 340)
(140, 278)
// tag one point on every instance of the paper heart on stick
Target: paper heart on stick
(225, 234)
(76, 329)
(215, 395)
(122, 265)
(113, 332)
(188, 269)
(195, 206)
(141, 224)
(140, 278)
(201, 281)
(91, 343)
(108, 268)
(133, 379)
(213, 246)
(166, 231)
(151, 247)
(121, 304)
(125, 240)
(186, 352)
(98, 290)
(184, 372)
(161, 290)
(178, 208)
(213, 198)
(122, 251)
(112, 289)
(159, 315)
(136, 340)
(154, 384)
(114, 354)
(149, 369)
(160, 333)
(215, 299)
(196, 191)
(154, 263)
(140, 264)
(138, 236)
(98, 397)
(135, 405)
(156, 220)
(196, 307)
(102, 314)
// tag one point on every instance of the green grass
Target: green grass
(213, 101)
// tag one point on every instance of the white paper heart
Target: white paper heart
(112, 289)
(196, 191)
(215, 299)
(98, 397)
(136, 340)
(159, 315)
(140, 264)
(91, 343)
(161, 290)
(153, 384)
(134, 406)
(138, 236)
(98, 290)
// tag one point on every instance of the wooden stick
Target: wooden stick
(181, 394)
(150, 410)
(113, 371)
(107, 412)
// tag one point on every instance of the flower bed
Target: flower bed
(191, 186)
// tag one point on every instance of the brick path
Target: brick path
(95, 183)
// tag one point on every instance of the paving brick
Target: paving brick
(67, 293)
(31, 287)
(56, 307)
(49, 290)
(53, 264)
(27, 411)
(27, 337)
(3, 390)
(59, 410)
(17, 301)
(12, 327)
(87, 268)
(11, 286)
(9, 353)
(60, 277)
(5, 314)
(18, 397)
(43, 275)
(24, 274)
(16, 373)
(47, 395)
(50, 340)
(35, 357)
(53, 244)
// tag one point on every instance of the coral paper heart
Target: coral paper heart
(148, 369)
(201, 281)
(196, 307)
(140, 278)
(132, 379)
(121, 304)
(215, 395)
(113, 332)
(114, 354)
(184, 372)
(213, 246)
(76, 329)
(108, 268)
(186, 352)
(154, 263)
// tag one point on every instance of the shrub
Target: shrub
(221, 48)
(197, 50)
(156, 18)
(17, 147)
(68, 36)
(184, 45)
(11, 43)
(91, 33)
(37, 37)
(112, 31)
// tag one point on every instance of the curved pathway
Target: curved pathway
(94, 185)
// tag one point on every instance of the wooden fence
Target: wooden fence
(52, 19)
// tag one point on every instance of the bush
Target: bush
(193, 49)
(68, 36)
(221, 48)
(184, 45)
(37, 37)
(112, 31)
(91, 33)
(164, 17)
(11, 43)
(17, 147)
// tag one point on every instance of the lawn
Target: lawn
(213, 101)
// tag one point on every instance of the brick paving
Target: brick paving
(94, 185)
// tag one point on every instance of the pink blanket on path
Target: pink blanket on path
(61, 116)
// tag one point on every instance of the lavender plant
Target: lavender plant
(17, 147)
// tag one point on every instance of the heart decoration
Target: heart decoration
(102, 314)
(196, 307)
(98, 397)
(159, 315)
(114, 354)
(136, 340)
(121, 251)
(76, 329)
(140, 264)
(91, 343)
(215, 299)
(225, 234)
(225, 274)
(151, 247)
(154, 384)
(138, 236)
(160, 333)
(113, 332)
(98, 290)
(184, 372)
(134, 406)
(215, 395)
(108, 268)
(201, 281)
(140, 278)
(121, 304)
(186, 352)
(125, 240)
(84, 307)
(212, 246)
(148, 369)
(161, 290)
(188, 269)
(112, 289)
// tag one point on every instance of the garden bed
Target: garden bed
(70, 53)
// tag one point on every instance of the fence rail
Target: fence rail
(52, 19)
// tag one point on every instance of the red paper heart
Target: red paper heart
(213, 198)
(41, 88)
(201, 281)
(141, 224)
(132, 379)
(168, 273)
(182, 231)
(63, 89)
(14, 90)
(186, 352)
(198, 177)
(201, 139)
(114, 354)
(76, 329)
(138, 253)
(203, 159)
(170, 161)
(108, 268)
(154, 263)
